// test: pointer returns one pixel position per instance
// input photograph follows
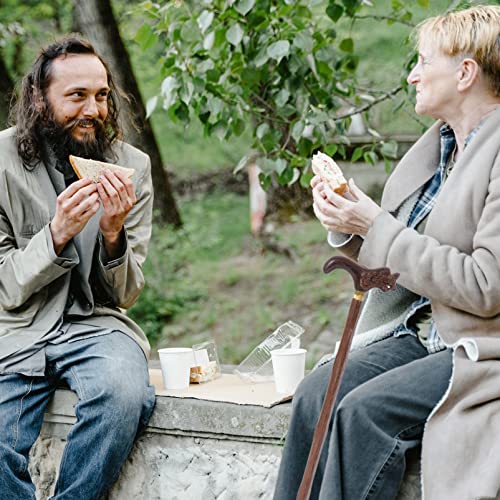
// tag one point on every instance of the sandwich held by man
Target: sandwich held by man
(71, 255)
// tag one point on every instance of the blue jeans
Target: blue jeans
(109, 373)
(386, 394)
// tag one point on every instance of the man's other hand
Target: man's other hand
(75, 206)
(118, 197)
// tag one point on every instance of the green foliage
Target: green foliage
(24, 26)
(276, 66)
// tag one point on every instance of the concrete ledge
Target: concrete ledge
(191, 450)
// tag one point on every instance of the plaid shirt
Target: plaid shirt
(420, 211)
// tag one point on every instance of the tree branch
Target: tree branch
(387, 95)
(385, 18)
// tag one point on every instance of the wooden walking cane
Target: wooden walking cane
(364, 280)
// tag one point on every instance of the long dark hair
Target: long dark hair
(29, 117)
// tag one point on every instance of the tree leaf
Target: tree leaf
(390, 149)
(151, 105)
(282, 97)
(145, 37)
(241, 164)
(169, 87)
(279, 49)
(305, 179)
(208, 41)
(265, 181)
(205, 20)
(331, 149)
(234, 34)
(280, 165)
(357, 154)
(261, 58)
(304, 41)
(238, 126)
(423, 3)
(297, 130)
(351, 5)
(262, 130)
(334, 12)
(186, 92)
(244, 6)
(286, 176)
(370, 157)
(347, 45)
(296, 175)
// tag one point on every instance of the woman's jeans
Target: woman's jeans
(109, 373)
(387, 392)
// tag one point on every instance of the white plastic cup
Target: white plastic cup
(176, 365)
(289, 369)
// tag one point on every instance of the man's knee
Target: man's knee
(10, 460)
(119, 397)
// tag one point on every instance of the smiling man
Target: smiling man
(71, 255)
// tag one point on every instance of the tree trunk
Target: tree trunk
(95, 19)
(6, 90)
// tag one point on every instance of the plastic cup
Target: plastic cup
(176, 365)
(289, 368)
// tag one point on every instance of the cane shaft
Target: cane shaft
(330, 397)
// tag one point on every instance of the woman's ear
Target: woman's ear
(468, 74)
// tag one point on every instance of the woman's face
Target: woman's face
(435, 77)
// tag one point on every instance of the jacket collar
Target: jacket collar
(416, 167)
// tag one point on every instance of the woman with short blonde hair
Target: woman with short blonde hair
(424, 367)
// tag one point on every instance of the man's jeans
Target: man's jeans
(109, 373)
(387, 392)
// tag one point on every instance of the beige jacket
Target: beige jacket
(34, 281)
(456, 264)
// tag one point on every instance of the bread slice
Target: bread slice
(93, 169)
(324, 166)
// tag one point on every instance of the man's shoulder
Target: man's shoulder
(8, 139)
(8, 147)
(130, 156)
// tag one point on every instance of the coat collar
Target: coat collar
(419, 164)
(416, 167)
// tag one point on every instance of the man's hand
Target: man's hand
(338, 213)
(75, 206)
(117, 195)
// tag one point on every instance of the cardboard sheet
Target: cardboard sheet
(227, 388)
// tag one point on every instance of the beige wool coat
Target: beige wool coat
(456, 264)
(34, 282)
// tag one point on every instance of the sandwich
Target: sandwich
(329, 171)
(93, 169)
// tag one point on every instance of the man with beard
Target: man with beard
(71, 255)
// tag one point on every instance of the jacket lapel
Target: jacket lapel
(47, 189)
(416, 167)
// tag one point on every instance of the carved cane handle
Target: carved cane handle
(364, 278)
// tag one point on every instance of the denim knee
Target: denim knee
(11, 460)
(310, 393)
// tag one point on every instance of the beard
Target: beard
(59, 138)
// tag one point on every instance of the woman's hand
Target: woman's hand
(352, 213)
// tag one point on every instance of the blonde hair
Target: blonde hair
(473, 32)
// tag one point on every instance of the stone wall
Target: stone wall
(191, 450)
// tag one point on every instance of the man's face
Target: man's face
(78, 95)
